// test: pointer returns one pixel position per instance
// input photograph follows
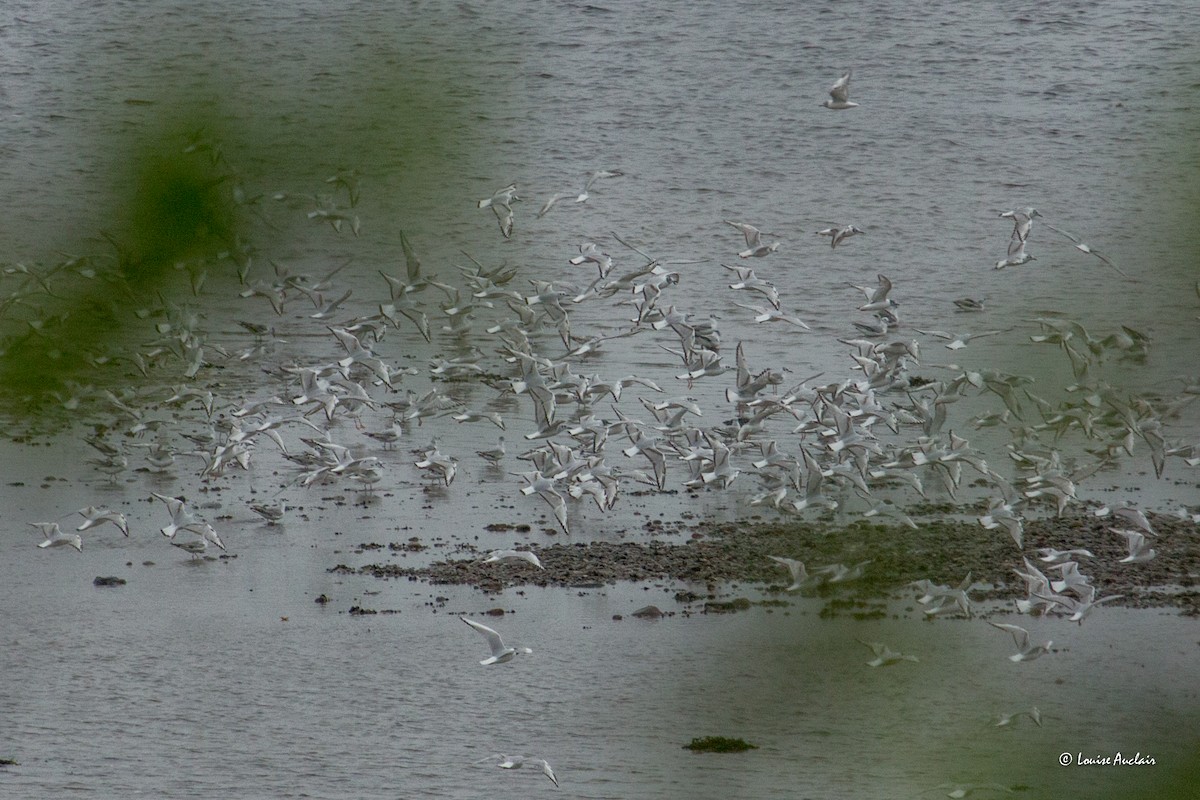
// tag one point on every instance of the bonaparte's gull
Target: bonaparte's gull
(56, 538)
(800, 577)
(1052, 556)
(1084, 247)
(754, 243)
(960, 790)
(271, 512)
(513, 555)
(877, 296)
(501, 205)
(1016, 255)
(1130, 515)
(516, 762)
(500, 652)
(1026, 651)
(1140, 550)
(196, 547)
(838, 234)
(839, 94)
(884, 655)
(1022, 225)
(93, 516)
(495, 455)
(1003, 720)
(957, 341)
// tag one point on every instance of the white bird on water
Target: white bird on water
(271, 512)
(839, 94)
(500, 652)
(495, 455)
(56, 538)
(196, 547)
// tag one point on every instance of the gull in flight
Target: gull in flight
(1016, 255)
(93, 516)
(754, 243)
(513, 555)
(1084, 247)
(1026, 651)
(838, 234)
(1140, 550)
(1129, 514)
(839, 94)
(767, 314)
(56, 538)
(957, 340)
(501, 205)
(516, 762)
(547, 489)
(884, 655)
(877, 296)
(1052, 556)
(500, 653)
(1003, 719)
(961, 790)
(751, 282)
(1022, 225)
(800, 576)
(582, 195)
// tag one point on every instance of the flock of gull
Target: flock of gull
(345, 413)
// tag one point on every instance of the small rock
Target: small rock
(110, 580)
(648, 612)
(717, 607)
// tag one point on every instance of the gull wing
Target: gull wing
(840, 91)
(1019, 634)
(495, 643)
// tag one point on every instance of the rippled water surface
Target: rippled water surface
(224, 678)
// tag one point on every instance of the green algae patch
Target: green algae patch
(719, 744)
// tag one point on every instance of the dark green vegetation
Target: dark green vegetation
(719, 744)
(940, 550)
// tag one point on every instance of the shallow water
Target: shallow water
(188, 683)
